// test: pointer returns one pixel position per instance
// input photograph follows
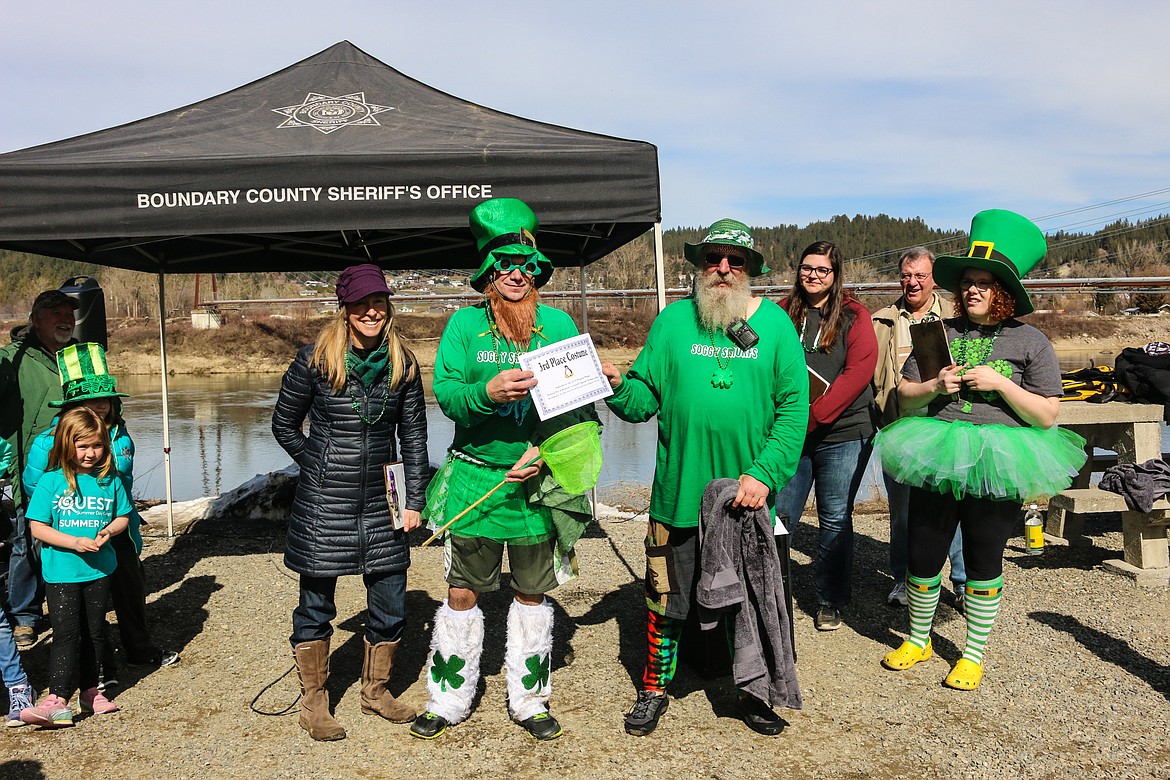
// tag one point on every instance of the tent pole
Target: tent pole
(166, 428)
(659, 270)
(585, 329)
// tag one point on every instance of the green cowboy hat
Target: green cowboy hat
(84, 374)
(1004, 243)
(728, 232)
(502, 227)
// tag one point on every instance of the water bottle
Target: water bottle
(1033, 530)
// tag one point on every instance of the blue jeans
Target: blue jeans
(899, 498)
(385, 606)
(10, 667)
(835, 470)
(26, 589)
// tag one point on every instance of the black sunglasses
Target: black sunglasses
(734, 261)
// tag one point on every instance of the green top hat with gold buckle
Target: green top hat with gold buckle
(505, 230)
(1004, 243)
(728, 232)
(84, 374)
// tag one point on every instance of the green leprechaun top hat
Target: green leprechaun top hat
(503, 227)
(1002, 242)
(729, 232)
(84, 374)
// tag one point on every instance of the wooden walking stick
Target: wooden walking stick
(481, 499)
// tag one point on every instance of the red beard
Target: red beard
(514, 319)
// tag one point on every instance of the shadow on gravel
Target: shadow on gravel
(1110, 650)
(20, 769)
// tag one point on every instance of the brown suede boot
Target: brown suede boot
(312, 660)
(376, 700)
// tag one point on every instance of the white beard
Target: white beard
(716, 306)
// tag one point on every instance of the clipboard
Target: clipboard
(817, 385)
(931, 349)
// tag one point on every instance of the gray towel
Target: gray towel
(1139, 484)
(739, 576)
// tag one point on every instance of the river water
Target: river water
(220, 435)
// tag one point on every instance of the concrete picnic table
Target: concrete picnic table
(1134, 432)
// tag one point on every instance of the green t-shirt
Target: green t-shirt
(95, 504)
(755, 427)
(469, 356)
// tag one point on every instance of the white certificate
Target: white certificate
(568, 376)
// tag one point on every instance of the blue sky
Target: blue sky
(770, 112)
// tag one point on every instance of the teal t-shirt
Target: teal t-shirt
(95, 504)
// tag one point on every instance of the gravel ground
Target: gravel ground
(1077, 679)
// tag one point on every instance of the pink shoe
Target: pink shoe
(93, 700)
(53, 712)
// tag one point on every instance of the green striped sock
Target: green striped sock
(923, 598)
(982, 604)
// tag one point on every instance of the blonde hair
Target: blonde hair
(333, 344)
(78, 425)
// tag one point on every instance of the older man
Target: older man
(725, 375)
(919, 302)
(28, 382)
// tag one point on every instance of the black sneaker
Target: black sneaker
(828, 618)
(157, 659)
(542, 727)
(428, 726)
(643, 716)
(759, 717)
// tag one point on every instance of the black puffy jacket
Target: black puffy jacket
(340, 522)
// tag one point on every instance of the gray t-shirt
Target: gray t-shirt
(1026, 351)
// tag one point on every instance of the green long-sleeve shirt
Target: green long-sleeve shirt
(755, 427)
(467, 359)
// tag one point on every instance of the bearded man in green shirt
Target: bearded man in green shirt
(725, 408)
(479, 385)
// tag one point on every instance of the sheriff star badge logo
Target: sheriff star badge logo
(326, 113)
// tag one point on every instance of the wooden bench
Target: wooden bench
(1143, 533)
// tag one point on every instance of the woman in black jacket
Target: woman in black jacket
(359, 387)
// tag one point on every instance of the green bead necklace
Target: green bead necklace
(351, 360)
(722, 378)
(971, 352)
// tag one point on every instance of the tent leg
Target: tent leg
(659, 266)
(585, 329)
(166, 423)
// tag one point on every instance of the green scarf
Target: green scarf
(368, 369)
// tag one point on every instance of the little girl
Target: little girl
(77, 506)
(86, 381)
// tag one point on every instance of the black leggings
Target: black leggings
(78, 613)
(987, 525)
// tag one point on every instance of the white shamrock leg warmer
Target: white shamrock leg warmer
(453, 663)
(528, 658)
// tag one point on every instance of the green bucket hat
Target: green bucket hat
(84, 374)
(506, 226)
(728, 232)
(1004, 243)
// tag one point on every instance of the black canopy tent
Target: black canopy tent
(335, 160)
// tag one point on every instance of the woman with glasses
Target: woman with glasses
(988, 442)
(360, 390)
(840, 347)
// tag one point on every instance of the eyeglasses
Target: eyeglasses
(733, 261)
(983, 285)
(509, 263)
(916, 277)
(820, 271)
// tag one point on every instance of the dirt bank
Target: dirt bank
(267, 345)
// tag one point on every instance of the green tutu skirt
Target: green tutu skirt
(984, 461)
(505, 516)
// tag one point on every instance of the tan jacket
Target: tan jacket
(887, 375)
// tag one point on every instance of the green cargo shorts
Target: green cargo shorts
(475, 563)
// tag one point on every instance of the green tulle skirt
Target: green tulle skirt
(986, 461)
